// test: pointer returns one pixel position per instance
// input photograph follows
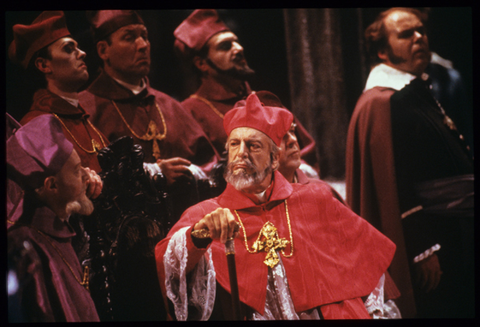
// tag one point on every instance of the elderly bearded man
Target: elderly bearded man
(52, 285)
(328, 257)
(216, 55)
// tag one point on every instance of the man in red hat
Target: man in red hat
(215, 54)
(46, 49)
(289, 264)
(51, 286)
(121, 101)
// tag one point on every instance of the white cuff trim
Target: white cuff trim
(427, 253)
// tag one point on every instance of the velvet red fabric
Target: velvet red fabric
(337, 255)
(223, 101)
(273, 121)
(48, 27)
(50, 291)
(75, 119)
(198, 28)
(370, 182)
(105, 22)
(185, 137)
(37, 150)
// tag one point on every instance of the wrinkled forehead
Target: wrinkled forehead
(248, 133)
(132, 28)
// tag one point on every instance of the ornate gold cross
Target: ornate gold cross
(269, 242)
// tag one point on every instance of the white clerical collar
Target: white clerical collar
(136, 89)
(386, 76)
(262, 196)
(73, 102)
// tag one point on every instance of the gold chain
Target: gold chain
(208, 103)
(85, 282)
(289, 229)
(152, 132)
(148, 135)
(95, 144)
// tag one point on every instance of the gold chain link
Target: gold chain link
(95, 144)
(148, 135)
(289, 229)
(85, 282)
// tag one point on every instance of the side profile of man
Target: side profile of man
(216, 56)
(289, 265)
(46, 50)
(410, 173)
(51, 284)
(121, 101)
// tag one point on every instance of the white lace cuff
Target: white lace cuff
(198, 293)
(197, 172)
(151, 168)
(376, 306)
(427, 253)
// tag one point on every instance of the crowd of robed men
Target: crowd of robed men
(301, 251)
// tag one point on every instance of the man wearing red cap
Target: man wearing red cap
(121, 101)
(51, 286)
(45, 48)
(214, 53)
(300, 254)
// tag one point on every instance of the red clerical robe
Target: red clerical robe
(371, 185)
(338, 257)
(211, 102)
(75, 125)
(47, 270)
(184, 137)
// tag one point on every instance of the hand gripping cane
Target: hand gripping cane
(232, 270)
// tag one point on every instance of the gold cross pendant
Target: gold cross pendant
(269, 242)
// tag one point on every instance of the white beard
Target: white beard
(242, 180)
(81, 206)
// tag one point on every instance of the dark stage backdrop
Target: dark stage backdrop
(313, 59)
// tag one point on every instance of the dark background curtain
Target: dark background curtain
(313, 59)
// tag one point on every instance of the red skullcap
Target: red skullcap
(105, 22)
(36, 151)
(273, 121)
(197, 29)
(47, 28)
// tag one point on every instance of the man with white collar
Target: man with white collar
(299, 253)
(410, 173)
(121, 101)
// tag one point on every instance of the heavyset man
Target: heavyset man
(300, 254)
(215, 54)
(410, 173)
(51, 284)
(121, 101)
(46, 48)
